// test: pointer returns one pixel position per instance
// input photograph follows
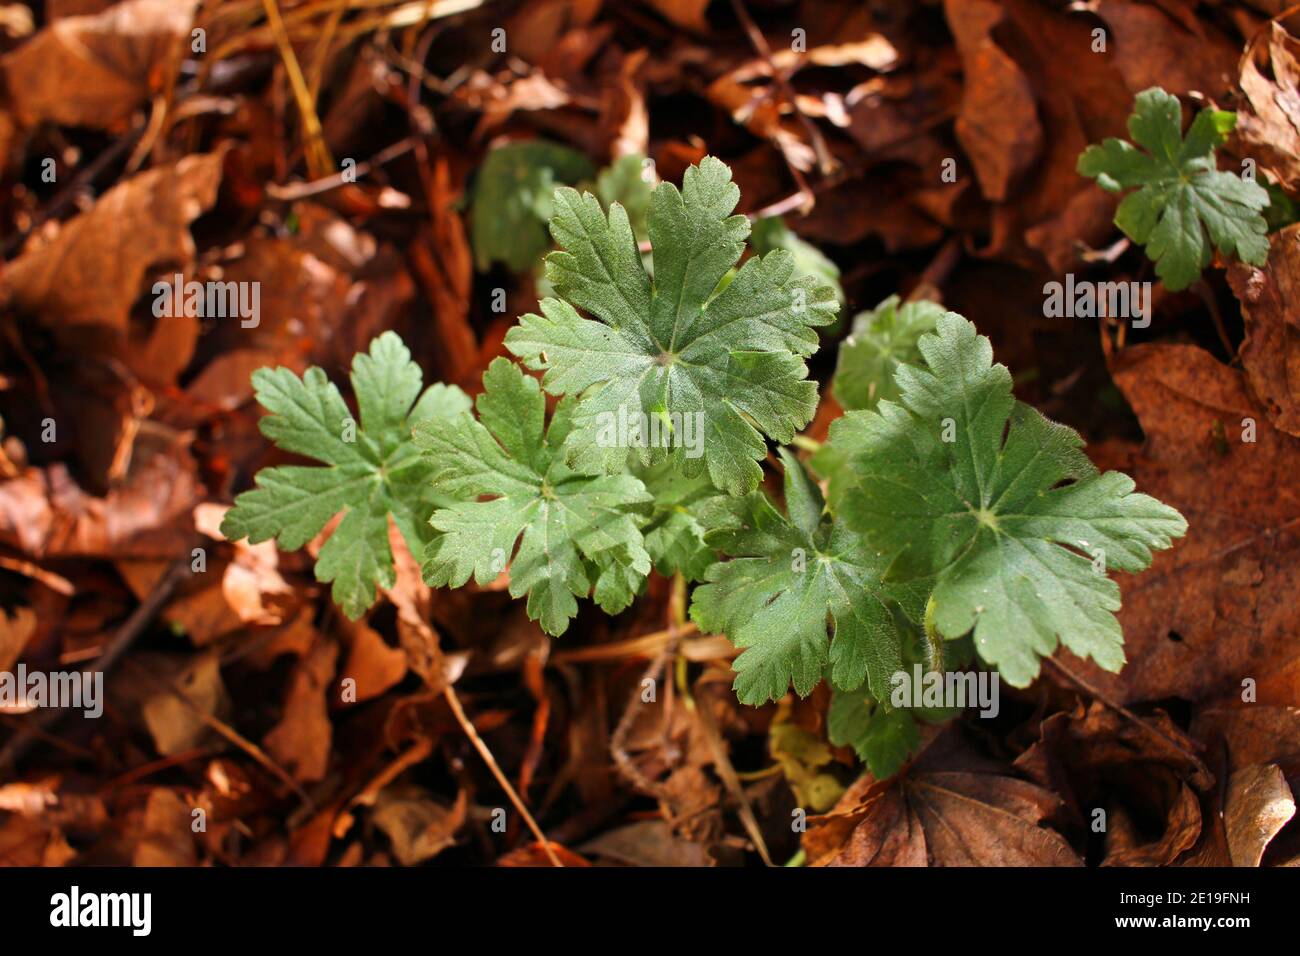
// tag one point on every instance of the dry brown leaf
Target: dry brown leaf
(1270, 304)
(295, 638)
(175, 718)
(301, 740)
(1056, 213)
(166, 835)
(1218, 608)
(894, 837)
(202, 614)
(498, 101)
(91, 269)
(1096, 758)
(1253, 733)
(417, 826)
(1270, 127)
(28, 799)
(444, 266)
(1151, 48)
(371, 663)
(251, 583)
(948, 818)
(45, 513)
(29, 841)
(998, 125)
(623, 109)
(1259, 804)
(1126, 847)
(760, 113)
(96, 70)
(304, 304)
(647, 843)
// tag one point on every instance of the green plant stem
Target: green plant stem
(933, 639)
(806, 443)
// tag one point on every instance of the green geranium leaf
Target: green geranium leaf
(961, 482)
(575, 534)
(1183, 203)
(673, 352)
(371, 471)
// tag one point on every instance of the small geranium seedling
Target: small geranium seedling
(955, 514)
(1184, 207)
(370, 472)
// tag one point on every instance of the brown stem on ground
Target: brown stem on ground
(467, 725)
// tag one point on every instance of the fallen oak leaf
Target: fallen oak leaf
(91, 269)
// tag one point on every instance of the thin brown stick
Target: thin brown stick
(231, 735)
(722, 763)
(291, 191)
(467, 725)
(319, 161)
(55, 582)
(618, 740)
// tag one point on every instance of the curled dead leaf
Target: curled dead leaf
(1259, 804)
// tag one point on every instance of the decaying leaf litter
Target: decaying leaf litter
(403, 736)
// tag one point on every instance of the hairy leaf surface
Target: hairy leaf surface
(562, 534)
(674, 349)
(790, 580)
(372, 470)
(1019, 530)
